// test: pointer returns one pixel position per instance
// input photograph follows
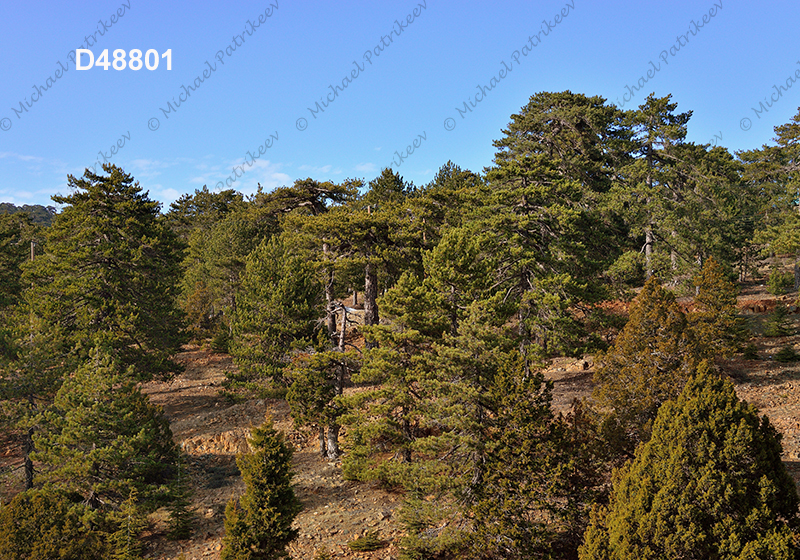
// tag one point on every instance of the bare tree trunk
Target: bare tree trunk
(333, 441)
(370, 298)
(673, 255)
(796, 276)
(330, 310)
(333, 451)
(522, 331)
(409, 437)
(28, 449)
(323, 449)
(648, 251)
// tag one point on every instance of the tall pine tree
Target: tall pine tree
(109, 275)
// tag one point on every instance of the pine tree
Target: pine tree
(387, 416)
(201, 210)
(181, 517)
(317, 381)
(278, 309)
(258, 526)
(43, 524)
(557, 159)
(770, 171)
(109, 275)
(129, 521)
(651, 359)
(657, 134)
(442, 203)
(103, 439)
(17, 233)
(714, 323)
(709, 484)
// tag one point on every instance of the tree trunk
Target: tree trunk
(522, 331)
(673, 255)
(330, 310)
(333, 441)
(406, 453)
(648, 251)
(323, 449)
(28, 449)
(796, 276)
(370, 298)
(332, 450)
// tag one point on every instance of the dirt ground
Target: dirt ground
(212, 429)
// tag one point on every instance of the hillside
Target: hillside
(211, 430)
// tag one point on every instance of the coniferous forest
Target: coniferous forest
(409, 328)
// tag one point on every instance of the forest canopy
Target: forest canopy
(408, 327)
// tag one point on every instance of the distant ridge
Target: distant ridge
(42, 215)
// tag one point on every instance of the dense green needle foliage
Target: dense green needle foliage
(258, 526)
(47, 524)
(109, 275)
(651, 359)
(709, 484)
(415, 321)
(103, 439)
(279, 304)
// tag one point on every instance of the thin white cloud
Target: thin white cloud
(21, 157)
(366, 168)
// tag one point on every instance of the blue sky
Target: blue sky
(274, 60)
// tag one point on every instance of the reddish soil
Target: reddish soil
(211, 429)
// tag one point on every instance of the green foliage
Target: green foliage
(181, 517)
(750, 352)
(109, 275)
(314, 381)
(786, 354)
(388, 415)
(777, 323)
(482, 481)
(628, 269)
(365, 543)
(441, 204)
(39, 215)
(258, 526)
(716, 328)
(201, 210)
(552, 239)
(103, 439)
(198, 304)
(47, 524)
(124, 542)
(779, 283)
(16, 234)
(215, 263)
(277, 310)
(709, 484)
(651, 359)
(771, 170)
(222, 339)
(387, 188)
